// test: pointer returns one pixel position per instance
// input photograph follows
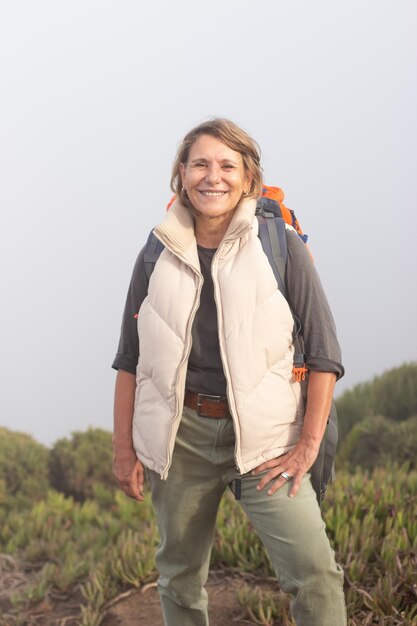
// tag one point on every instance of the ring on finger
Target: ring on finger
(285, 476)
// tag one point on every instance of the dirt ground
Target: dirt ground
(136, 607)
(142, 608)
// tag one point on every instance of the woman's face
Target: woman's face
(214, 177)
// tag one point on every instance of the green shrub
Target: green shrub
(379, 442)
(78, 463)
(23, 469)
(393, 395)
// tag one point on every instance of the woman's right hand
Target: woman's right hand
(128, 471)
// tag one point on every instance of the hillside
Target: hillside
(75, 551)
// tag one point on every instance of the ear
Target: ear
(248, 181)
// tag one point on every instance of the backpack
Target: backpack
(272, 216)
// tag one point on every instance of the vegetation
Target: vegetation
(23, 470)
(378, 420)
(392, 395)
(76, 465)
(103, 551)
(79, 537)
(378, 441)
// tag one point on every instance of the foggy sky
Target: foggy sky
(95, 97)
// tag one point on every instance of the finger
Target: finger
(284, 478)
(134, 490)
(133, 493)
(136, 481)
(296, 484)
(140, 474)
(280, 482)
(263, 467)
(268, 465)
(271, 475)
(125, 487)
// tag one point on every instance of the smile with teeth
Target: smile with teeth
(212, 194)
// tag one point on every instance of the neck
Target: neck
(209, 231)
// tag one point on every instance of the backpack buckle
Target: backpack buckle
(299, 370)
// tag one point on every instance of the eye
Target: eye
(228, 166)
(200, 164)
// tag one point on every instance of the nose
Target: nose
(213, 174)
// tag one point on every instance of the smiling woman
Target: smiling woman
(214, 180)
(216, 166)
(212, 401)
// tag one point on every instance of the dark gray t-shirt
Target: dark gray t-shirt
(205, 369)
(205, 372)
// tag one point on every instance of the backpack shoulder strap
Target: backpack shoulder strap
(274, 244)
(153, 249)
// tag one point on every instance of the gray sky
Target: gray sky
(95, 97)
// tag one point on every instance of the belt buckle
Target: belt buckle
(203, 396)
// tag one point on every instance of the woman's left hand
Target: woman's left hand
(295, 463)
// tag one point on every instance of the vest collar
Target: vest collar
(176, 231)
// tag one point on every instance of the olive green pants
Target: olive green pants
(292, 530)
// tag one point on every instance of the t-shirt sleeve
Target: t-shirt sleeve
(309, 304)
(128, 350)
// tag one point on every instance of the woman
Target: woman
(212, 398)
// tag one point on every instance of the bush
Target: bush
(392, 395)
(23, 469)
(77, 464)
(379, 442)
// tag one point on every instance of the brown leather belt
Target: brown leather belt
(207, 405)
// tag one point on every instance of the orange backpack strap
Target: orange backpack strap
(171, 202)
(277, 195)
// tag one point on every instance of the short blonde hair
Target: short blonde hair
(231, 135)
